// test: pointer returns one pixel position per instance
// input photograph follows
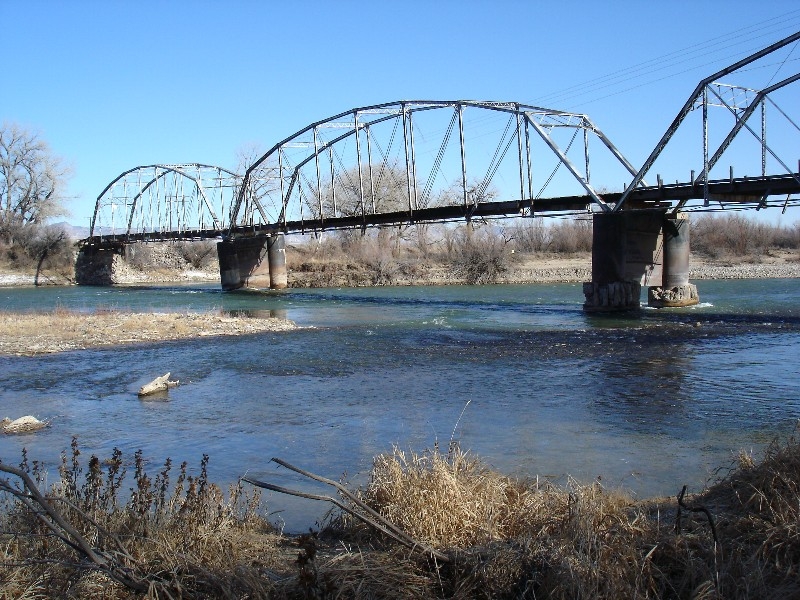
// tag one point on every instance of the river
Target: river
(517, 374)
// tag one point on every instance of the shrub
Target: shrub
(186, 538)
(732, 235)
(43, 248)
(479, 257)
(199, 254)
(530, 235)
(571, 236)
(567, 236)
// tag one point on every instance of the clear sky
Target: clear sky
(112, 85)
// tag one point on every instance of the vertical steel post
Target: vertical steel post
(124, 195)
(763, 138)
(358, 160)
(463, 152)
(198, 183)
(333, 182)
(319, 184)
(586, 151)
(182, 221)
(369, 166)
(705, 146)
(530, 165)
(408, 168)
(284, 201)
(221, 197)
(300, 196)
(150, 205)
(413, 157)
(519, 154)
(159, 213)
(169, 199)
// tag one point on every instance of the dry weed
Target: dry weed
(502, 537)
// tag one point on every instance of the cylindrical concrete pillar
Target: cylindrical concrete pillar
(675, 289)
(675, 269)
(276, 253)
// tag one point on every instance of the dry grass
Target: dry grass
(36, 333)
(735, 235)
(504, 537)
(509, 538)
(187, 538)
(449, 501)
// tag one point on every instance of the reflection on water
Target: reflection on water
(649, 401)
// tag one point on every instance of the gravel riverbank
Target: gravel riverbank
(28, 334)
(534, 268)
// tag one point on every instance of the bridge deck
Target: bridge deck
(737, 191)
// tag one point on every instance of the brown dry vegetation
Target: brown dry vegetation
(502, 537)
(504, 251)
(37, 333)
(734, 235)
(518, 251)
(431, 254)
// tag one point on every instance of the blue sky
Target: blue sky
(113, 85)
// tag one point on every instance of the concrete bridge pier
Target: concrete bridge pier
(625, 249)
(96, 265)
(675, 289)
(635, 248)
(252, 262)
(276, 256)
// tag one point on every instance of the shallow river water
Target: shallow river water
(519, 375)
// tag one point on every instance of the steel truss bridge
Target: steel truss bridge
(422, 161)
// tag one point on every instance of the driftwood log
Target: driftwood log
(159, 384)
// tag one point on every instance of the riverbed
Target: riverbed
(518, 374)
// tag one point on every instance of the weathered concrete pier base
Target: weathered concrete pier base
(276, 256)
(96, 266)
(252, 263)
(675, 289)
(635, 248)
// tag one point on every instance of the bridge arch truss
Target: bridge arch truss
(408, 156)
(742, 104)
(171, 200)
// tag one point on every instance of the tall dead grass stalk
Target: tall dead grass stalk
(503, 537)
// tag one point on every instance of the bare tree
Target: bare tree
(474, 193)
(32, 181)
(380, 189)
(262, 184)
